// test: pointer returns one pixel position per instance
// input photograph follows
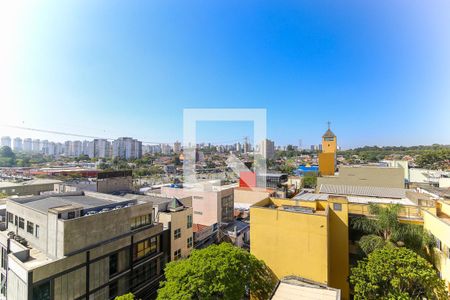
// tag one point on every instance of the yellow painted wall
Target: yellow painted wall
(329, 146)
(338, 245)
(290, 243)
(327, 163)
(440, 229)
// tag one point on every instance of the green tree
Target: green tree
(309, 180)
(385, 230)
(396, 273)
(128, 296)
(6, 151)
(434, 159)
(217, 272)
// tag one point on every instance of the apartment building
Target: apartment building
(212, 202)
(5, 141)
(81, 246)
(176, 217)
(17, 144)
(126, 147)
(306, 239)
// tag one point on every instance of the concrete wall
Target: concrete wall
(23, 190)
(114, 184)
(38, 218)
(16, 287)
(366, 176)
(102, 226)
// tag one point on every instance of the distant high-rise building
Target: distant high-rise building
(17, 146)
(238, 147)
(100, 148)
(177, 147)
(85, 148)
(27, 145)
(51, 149)
(44, 147)
(165, 149)
(6, 141)
(36, 146)
(75, 148)
(267, 148)
(126, 147)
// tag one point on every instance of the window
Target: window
(10, 218)
(198, 213)
(140, 221)
(30, 227)
(15, 220)
(21, 223)
(227, 208)
(4, 258)
(177, 233)
(448, 253)
(3, 288)
(337, 206)
(177, 254)
(189, 221)
(189, 242)
(37, 231)
(113, 289)
(438, 244)
(42, 291)
(144, 273)
(71, 215)
(113, 264)
(145, 247)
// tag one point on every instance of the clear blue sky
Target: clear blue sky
(378, 70)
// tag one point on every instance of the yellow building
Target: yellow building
(303, 238)
(308, 236)
(327, 159)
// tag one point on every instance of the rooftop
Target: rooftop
(66, 200)
(355, 199)
(370, 191)
(5, 184)
(297, 288)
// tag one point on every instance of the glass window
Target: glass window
(189, 242)
(140, 221)
(113, 289)
(189, 221)
(113, 264)
(30, 227)
(145, 247)
(10, 218)
(16, 222)
(438, 244)
(337, 206)
(42, 291)
(144, 273)
(37, 231)
(4, 259)
(71, 215)
(177, 254)
(177, 233)
(198, 213)
(21, 223)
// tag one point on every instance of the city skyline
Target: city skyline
(379, 72)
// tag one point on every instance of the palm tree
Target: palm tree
(385, 230)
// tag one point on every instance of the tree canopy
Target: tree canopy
(396, 273)
(216, 272)
(128, 296)
(386, 230)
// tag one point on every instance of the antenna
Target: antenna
(329, 123)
